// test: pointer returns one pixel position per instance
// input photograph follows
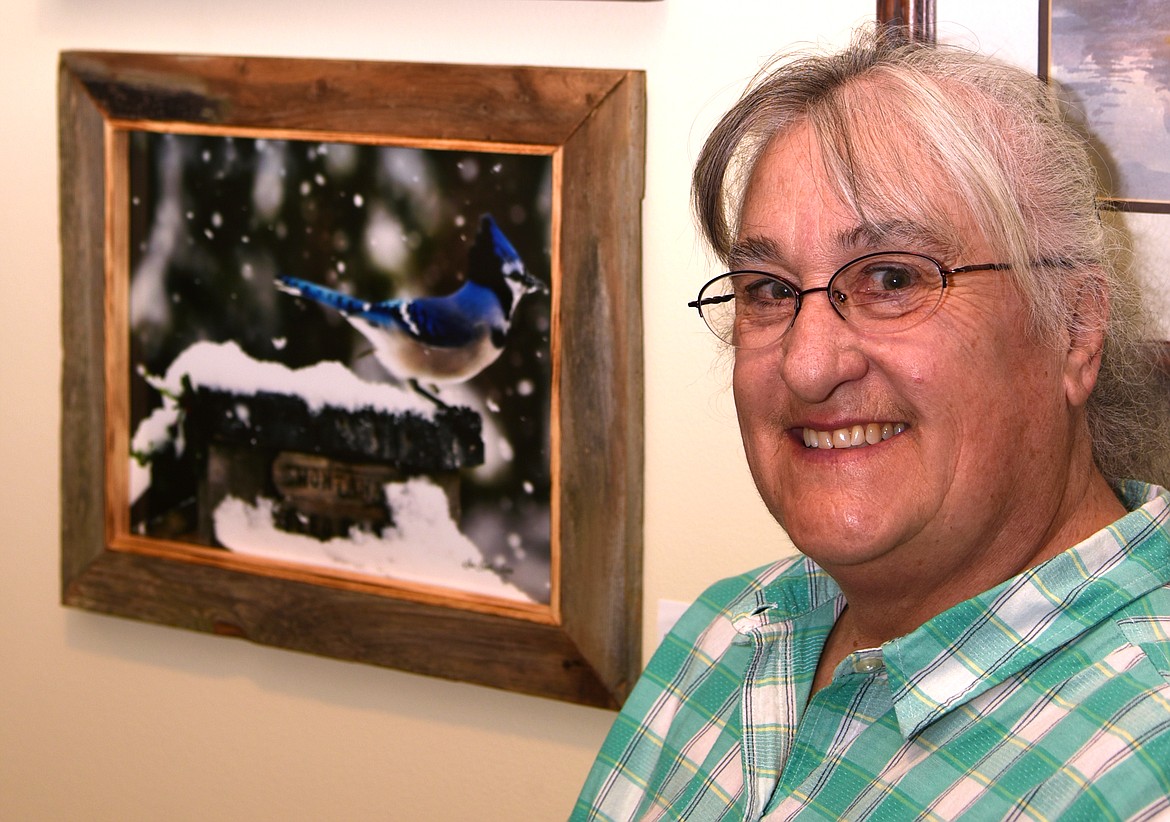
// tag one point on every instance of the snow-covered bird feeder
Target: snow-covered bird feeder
(318, 442)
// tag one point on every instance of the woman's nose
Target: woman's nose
(819, 351)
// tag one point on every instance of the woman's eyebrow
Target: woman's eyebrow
(906, 234)
(903, 235)
(748, 251)
(755, 250)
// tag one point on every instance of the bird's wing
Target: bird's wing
(440, 322)
(342, 303)
(459, 319)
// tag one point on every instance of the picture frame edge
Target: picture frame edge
(94, 577)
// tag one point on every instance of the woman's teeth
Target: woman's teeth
(853, 437)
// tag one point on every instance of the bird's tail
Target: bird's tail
(339, 302)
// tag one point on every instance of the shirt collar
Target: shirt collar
(981, 642)
(785, 592)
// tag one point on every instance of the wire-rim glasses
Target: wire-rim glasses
(882, 293)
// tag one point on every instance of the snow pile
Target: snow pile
(225, 367)
(424, 545)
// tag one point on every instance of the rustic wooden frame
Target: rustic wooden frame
(1044, 71)
(584, 646)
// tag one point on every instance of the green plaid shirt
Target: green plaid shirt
(1046, 697)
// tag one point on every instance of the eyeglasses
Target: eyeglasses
(878, 293)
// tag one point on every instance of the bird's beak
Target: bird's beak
(533, 284)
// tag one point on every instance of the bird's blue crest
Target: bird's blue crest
(501, 245)
(492, 254)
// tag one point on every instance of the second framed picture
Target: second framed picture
(1112, 61)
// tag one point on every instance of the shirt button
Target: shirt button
(867, 664)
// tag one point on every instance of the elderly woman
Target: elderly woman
(939, 387)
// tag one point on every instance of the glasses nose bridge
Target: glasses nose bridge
(828, 291)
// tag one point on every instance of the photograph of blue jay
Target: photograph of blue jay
(341, 357)
(446, 338)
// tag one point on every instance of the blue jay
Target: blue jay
(440, 339)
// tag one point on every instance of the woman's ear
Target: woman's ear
(1086, 341)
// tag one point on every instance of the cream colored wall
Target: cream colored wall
(106, 719)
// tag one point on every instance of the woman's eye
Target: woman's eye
(769, 290)
(892, 278)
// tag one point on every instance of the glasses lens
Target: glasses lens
(887, 292)
(748, 309)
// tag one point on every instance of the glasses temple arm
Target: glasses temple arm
(710, 301)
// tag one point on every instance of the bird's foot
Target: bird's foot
(431, 395)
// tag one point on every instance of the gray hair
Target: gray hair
(893, 118)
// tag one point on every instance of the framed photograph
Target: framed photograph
(1113, 64)
(353, 360)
